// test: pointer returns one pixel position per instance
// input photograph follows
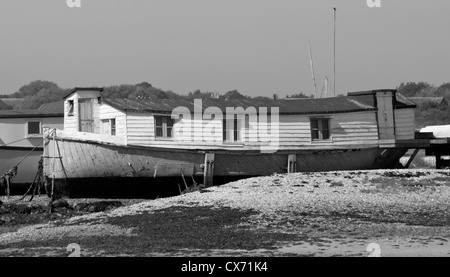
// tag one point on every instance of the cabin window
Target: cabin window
(231, 130)
(113, 127)
(109, 126)
(320, 128)
(163, 126)
(70, 107)
(33, 128)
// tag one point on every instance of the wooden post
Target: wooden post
(412, 158)
(208, 170)
(53, 165)
(184, 180)
(7, 186)
(292, 163)
(438, 161)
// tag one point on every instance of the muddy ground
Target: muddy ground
(350, 213)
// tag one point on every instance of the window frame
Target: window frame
(236, 132)
(320, 129)
(164, 127)
(113, 127)
(71, 107)
(110, 126)
(27, 129)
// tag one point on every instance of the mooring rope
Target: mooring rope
(11, 174)
(12, 142)
(31, 151)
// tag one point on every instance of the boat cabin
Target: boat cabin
(378, 118)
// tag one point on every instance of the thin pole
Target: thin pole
(334, 56)
(312, 69)
(53, 165)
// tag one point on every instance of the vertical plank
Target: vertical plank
(292, 163)
(208, 170)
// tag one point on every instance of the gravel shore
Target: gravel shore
(347, 213)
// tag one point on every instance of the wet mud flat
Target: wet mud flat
(348, 213)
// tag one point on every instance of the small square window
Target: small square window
(163, 127)
(34, 128)
(320, 129)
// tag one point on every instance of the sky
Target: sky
(258, 47)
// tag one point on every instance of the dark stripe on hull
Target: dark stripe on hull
(124, 187)
(19, 148)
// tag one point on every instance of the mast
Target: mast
(312, 69)
(324, 92)
(334, 56)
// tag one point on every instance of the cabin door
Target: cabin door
(385, 116)
(86, 115)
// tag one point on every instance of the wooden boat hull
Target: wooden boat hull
(84, 168)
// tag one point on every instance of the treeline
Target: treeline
(429, 113)
(39, 92)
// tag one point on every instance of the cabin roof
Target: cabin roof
(8, 103)
(369, 97)
(83, 89)
(422, 100)
(402, 100)
(4, 106)
(298, 106)
(28, 114)
(52, 107)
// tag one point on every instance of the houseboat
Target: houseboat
(21, 141)
(134, 144)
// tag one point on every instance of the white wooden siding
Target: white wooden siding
(209, 131)
(108, 112)
(404, 124)
(140, 128)
(14, 129)
(71, 123)
(294, 131)
(348, 127)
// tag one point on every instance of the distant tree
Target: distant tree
(140, 91)
(234, 94)
(299, 95)
(444, 91)
(33, 88)
(197, 94)
(37, 93)
(412, 89)
(262, 98)
(118, 91)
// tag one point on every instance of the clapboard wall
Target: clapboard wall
(404, 124)
(108, 112)
(293, 131)
(72, 122)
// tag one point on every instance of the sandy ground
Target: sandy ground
(356, 213)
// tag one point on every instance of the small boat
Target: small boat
(21, 141)
(134, 145)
